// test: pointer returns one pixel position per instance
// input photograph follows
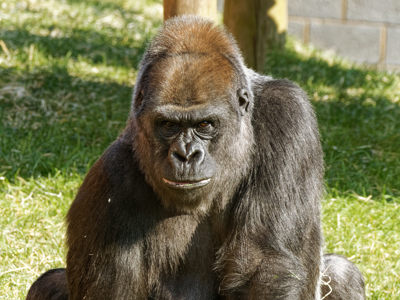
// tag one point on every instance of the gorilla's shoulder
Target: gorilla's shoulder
(115, 165)
(119, 160)
(282, 112)
(277, 92)
(280, 100)
(123, 173)
(118, 154)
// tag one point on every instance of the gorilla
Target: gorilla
(212, 191)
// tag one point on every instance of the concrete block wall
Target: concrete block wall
(364, 31)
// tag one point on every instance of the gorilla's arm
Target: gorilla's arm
(98, 223)
(274, 250)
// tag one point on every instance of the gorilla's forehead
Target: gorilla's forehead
(191, 79)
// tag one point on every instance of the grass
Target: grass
(66, 73)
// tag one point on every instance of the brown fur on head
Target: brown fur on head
(195, 36)
(193, 69)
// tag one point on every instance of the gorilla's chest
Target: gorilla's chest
(174, 248)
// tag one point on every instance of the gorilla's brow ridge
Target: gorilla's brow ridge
(193, 113)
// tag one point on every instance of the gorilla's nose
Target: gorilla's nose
(190, 153)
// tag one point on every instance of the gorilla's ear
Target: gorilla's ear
(244, 101)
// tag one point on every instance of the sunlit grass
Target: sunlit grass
(367, 231)
(66, 73)
(32, 238)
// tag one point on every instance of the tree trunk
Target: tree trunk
(277, 24)
(257, 25)
(205, 8)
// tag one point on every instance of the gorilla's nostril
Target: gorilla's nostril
(192, 155)
(179, 157)
(195, 156)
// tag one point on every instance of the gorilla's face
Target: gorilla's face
(190, 121)
(185, 137)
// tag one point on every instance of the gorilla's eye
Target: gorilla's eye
(204, 124)
(168, 124)
(169, 128)
(205, 128)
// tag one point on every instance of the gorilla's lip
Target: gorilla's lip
(189, 184)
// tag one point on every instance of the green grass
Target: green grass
(66, 73)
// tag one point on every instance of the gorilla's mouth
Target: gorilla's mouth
(186, 184)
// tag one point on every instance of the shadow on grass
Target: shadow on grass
(290, 64)
(53, 121)
(96, 47)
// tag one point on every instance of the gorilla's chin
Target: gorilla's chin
(191, 197)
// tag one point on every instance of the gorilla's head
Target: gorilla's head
(192, 116)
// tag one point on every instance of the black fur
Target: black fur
(51, 285)
(251, 232)
(341, 280)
